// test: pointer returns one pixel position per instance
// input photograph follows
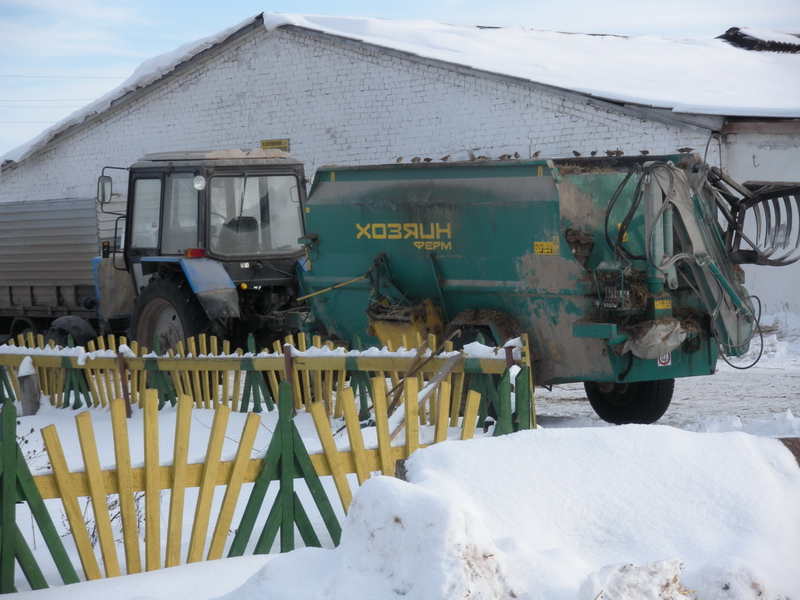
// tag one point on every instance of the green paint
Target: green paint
(16, 484)
(8, 497)
(603, 331)
(6, 389)
(286, 460)
(503, 405)
(523, 399)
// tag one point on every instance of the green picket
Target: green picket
(269, 470)
(30, 493)
(6, 389)
(522, 394)
(8, 497)
(504, 424)
(286, 459)
(254, 383)
(315, 488)
(285, 424)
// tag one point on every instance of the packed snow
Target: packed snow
(703, 505)
(687, 76)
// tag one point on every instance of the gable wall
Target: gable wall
(338, 103)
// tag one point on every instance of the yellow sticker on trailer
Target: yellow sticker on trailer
(545, 248)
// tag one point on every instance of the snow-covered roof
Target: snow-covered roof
(708, 77)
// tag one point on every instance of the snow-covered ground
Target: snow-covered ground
(704, 505)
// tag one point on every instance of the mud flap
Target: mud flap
(213, 287)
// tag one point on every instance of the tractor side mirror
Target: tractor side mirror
(104, 189)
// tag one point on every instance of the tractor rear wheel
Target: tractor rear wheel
(621, 403)
(168, 311)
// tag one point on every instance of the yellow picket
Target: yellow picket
(204, 389)
(206, 493)
(180, 457)
(237, 383)
(234, 486)
(91, 462)
(443, 409)
(186, 382)
(122, 454)
(470, 415)
(382, 425)
(226, 392)
(214, 375)
(152, 489)
(323, 427)
(305, 376)
(411, 404)
(346, 399)
(58, 462)
(196, 389)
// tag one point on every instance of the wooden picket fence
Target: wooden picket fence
(333, 388)
(212, 374)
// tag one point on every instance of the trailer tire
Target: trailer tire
(25, 325)
(167, 310)
(81, 331)
(642, 402)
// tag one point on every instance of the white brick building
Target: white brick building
(346, 101)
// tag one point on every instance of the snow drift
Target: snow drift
(562, 514)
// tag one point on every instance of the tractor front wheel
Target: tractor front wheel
(621, 403)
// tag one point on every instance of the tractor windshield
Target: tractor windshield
(254, 214)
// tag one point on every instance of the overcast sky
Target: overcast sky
(58, 55)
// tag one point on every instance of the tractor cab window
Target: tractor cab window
(165, 213)
(254, 214)
(179, 227)
(146, 213)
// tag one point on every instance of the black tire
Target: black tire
(25, 325)
(621, 403)
(167, 310)
(81, 331)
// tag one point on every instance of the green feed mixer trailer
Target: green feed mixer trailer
(624, 272)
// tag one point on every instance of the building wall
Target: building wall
(768, 157)
(337, 103)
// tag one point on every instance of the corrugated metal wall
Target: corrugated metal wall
(48, 242)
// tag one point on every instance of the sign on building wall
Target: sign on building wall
(275, 145)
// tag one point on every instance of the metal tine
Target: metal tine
(787, 225)
(795, 213)
(792, 204)
(767, 226)
(776, 211)
(757, 214)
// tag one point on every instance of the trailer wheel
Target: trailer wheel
(62, 328)
(25, 325)
(167, 310)
(620, 403)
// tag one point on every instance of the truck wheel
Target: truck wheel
(167, 310)
(620, 403)
(81, 331)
